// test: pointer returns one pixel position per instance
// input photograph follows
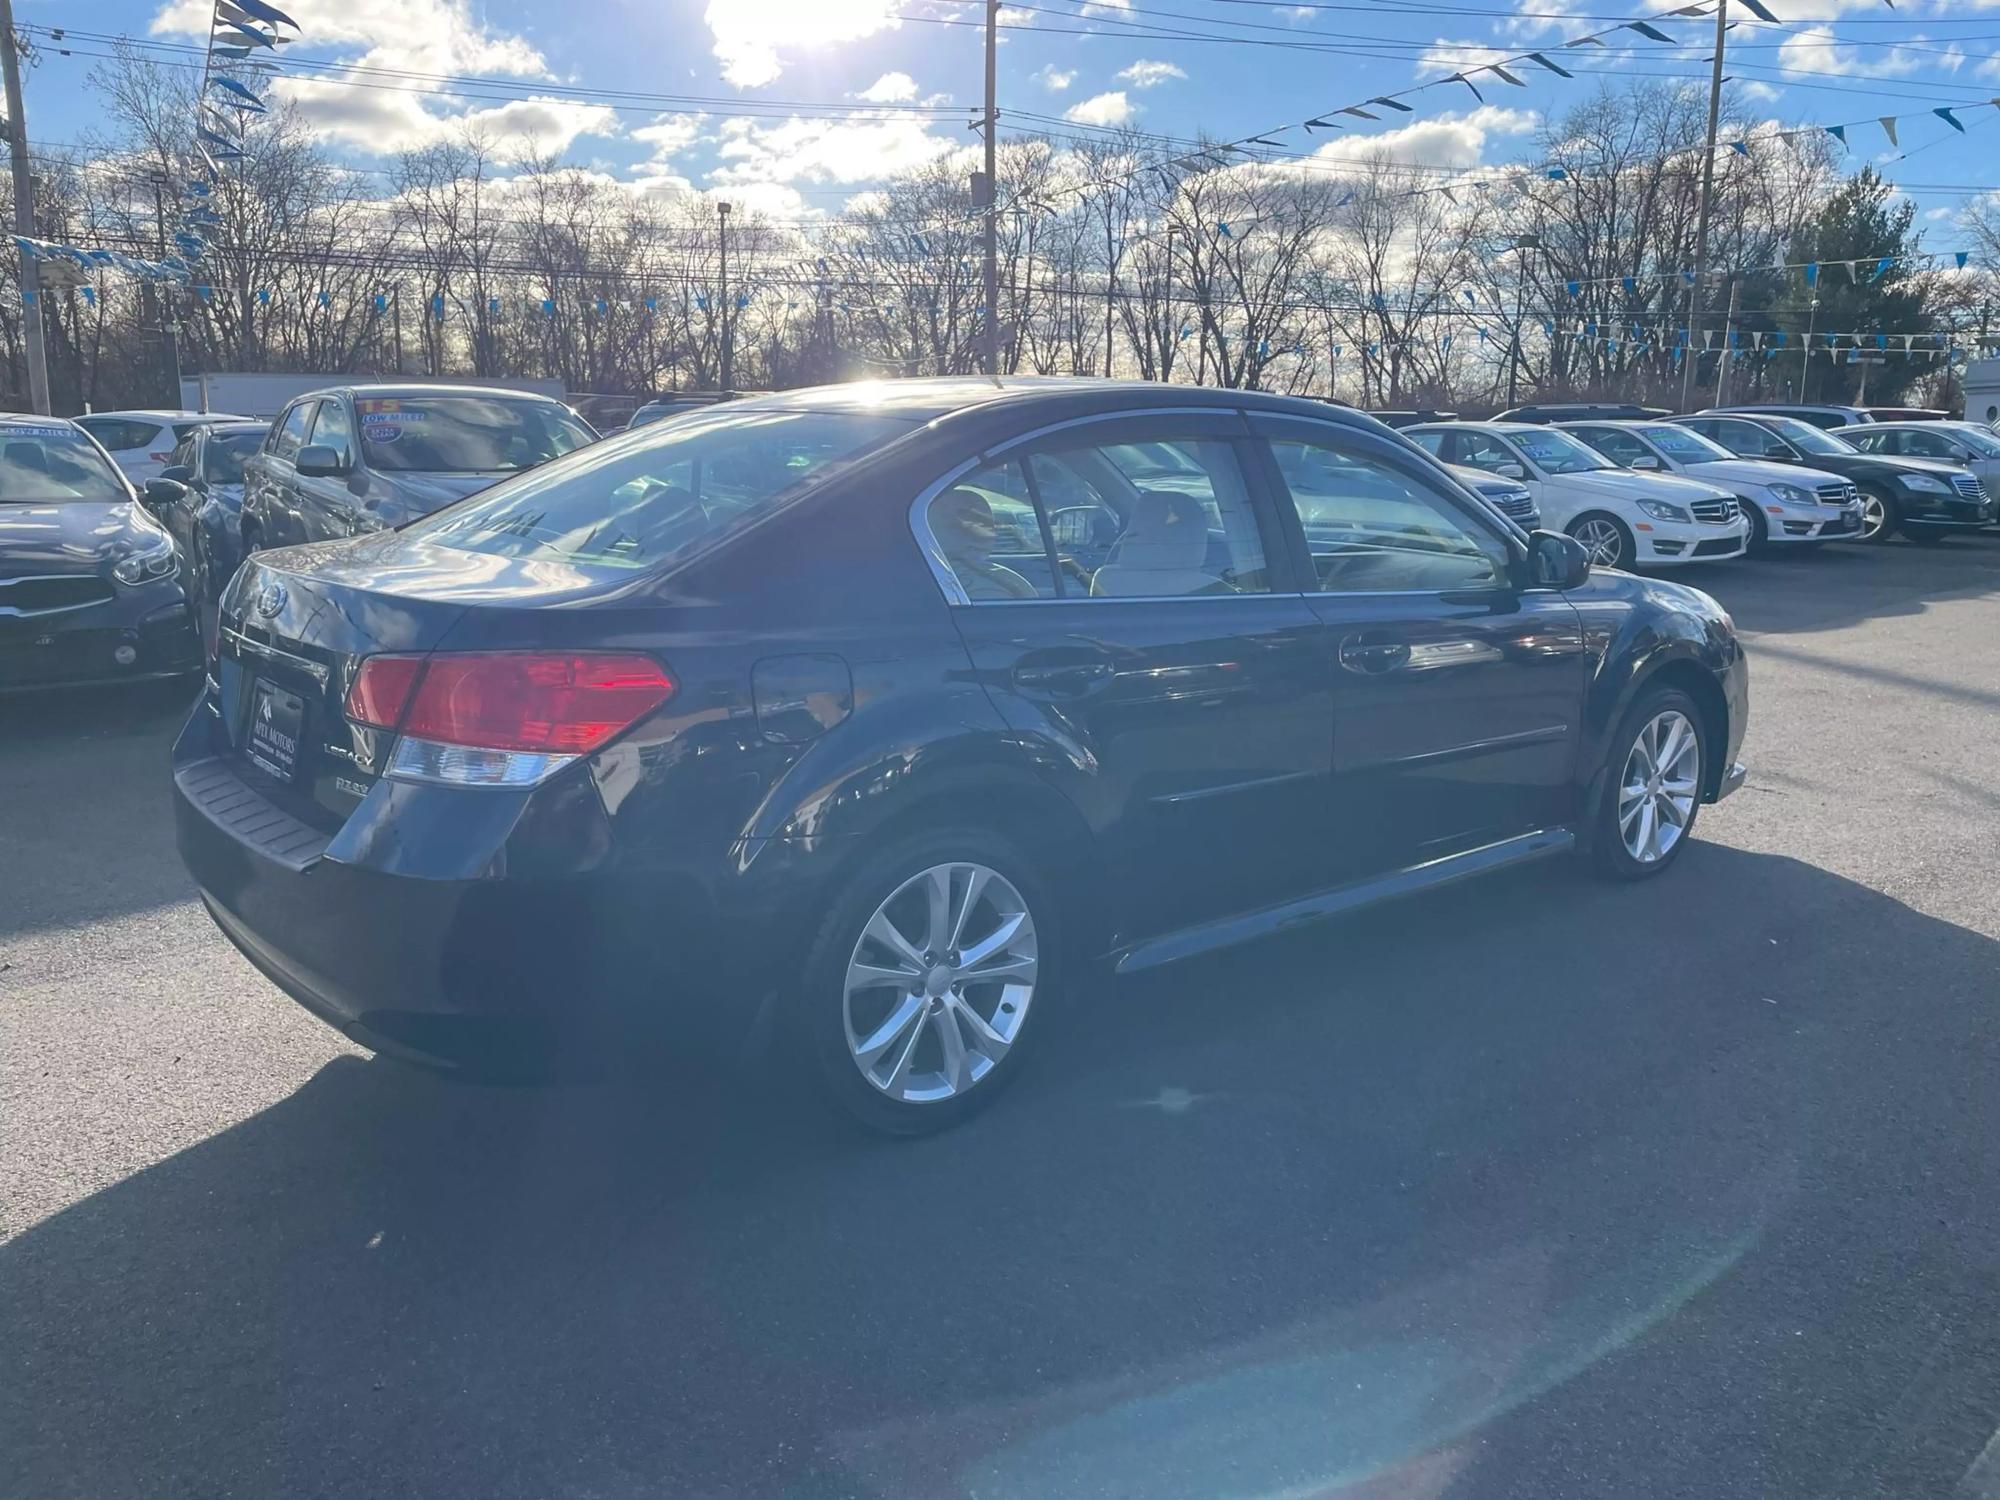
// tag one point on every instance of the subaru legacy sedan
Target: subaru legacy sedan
(861, 720)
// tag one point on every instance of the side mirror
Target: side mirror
(317, 461)
(160, 494)
(1510, 470)
(1556, 561)
(1645, 461)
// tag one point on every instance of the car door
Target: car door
(1458, 693)
(1125, 600)
(330, 502)
(280, 512)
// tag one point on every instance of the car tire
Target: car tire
(1624, 845)
(1879, 511)
(1760, 529)
(1599, 531)
(882, 1052)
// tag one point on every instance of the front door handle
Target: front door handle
(1359, 654)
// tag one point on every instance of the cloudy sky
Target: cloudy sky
(796, 105)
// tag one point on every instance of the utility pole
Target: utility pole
(170, 342)
(395, 313)
(1707, 198)
(1728, 326)
(24, 215)
(989, 196)
(1522, 244)
(722, 239)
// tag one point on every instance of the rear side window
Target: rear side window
(119, 434)
(649, 496)
(222, 456)
(1168, 517)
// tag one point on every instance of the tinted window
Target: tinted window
(1689, 447)
(332, 429)
(1482, 450)
(1748, 440)
(986, 528)
(52, 464)
(1371, 528)
(636, 501)
(1876, 442)
(119, 433)
(1621, 447)
(1981, 443)
(1556, 452)
(290, 434)
(464, 434)
(222, 457)
(1927, 445)
(1433, 444)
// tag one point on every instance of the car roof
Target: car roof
(150, 413)
(413, 389)
(29, 419)
(1780, 409)
(238, 424)
(1495, 426)
(927, 399)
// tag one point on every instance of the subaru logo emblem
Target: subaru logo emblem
(270, 599)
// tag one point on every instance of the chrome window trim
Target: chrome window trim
(927, 543)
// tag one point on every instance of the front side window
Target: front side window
(332, 429)
(1928, 445)
(223, 455)
(645, 499)
(53, 464)
(1371, 528)
(1982, 444)
(1557, 452)
(1876, 442)
(464, 434)
(290, 434)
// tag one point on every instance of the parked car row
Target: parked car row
(119, 530)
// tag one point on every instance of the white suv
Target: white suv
(1624, 520)
(1783, 502)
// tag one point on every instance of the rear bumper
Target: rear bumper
(504, 971)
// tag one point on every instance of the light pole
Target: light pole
(1522, 242)
(728, 331)
(989, 333)
(1707, 198)
(1805, 363)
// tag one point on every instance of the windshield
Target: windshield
(1681, 443)
(1808, 438)
(637, 500)
(222, 459)
(464, 434)
(53, 465)
(1558, 452)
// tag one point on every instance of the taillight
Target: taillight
(503, 718)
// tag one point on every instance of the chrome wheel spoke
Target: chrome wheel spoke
(994, 942)
(1013, 966)
(885, 932)
(1659, 787)
(900, 1021)
(862, 976)
(937, 896)
(951, 1047)
(989, 1043)
(975, 886)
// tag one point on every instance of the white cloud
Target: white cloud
(1298, 15)
(839, 151)
(384, 121)
(1146, 74)
(748, 34)
(1102, 109)
(1444, 57)
(1055, 79)
(1817, 50)
(1755, 92)
(1446, 141)
(890, 88)
(669, 135)
(1014, 15)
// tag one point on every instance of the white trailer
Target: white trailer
(250, 393)
(1982, 391)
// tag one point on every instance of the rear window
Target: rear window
(464, 434)
(43, 465)
(639, 500)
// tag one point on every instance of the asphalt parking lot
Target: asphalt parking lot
(1534, 1188)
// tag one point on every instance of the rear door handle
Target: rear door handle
(1065, 680)
(1359, 654)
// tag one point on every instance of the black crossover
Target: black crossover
(864, 718)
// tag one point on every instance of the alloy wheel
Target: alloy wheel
(940, 982)
(1601, 540)
(1874, 516)
(1656, 792)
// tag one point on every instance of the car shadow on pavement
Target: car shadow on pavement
(1536, 1186)
(68, 782)
(1844, 583)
